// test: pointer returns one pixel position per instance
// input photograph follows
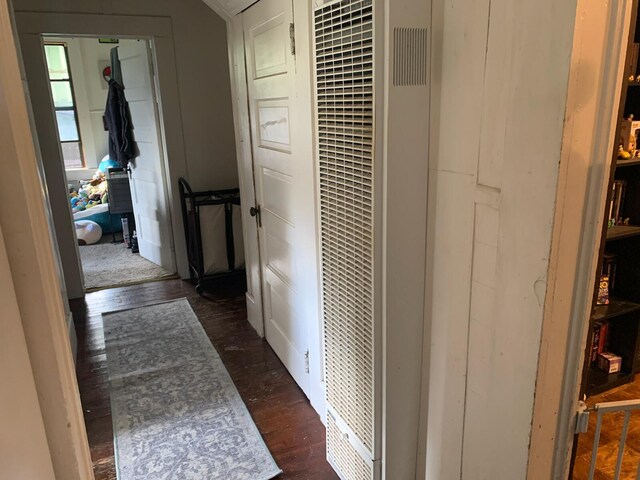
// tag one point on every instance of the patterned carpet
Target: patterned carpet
(107, 265)
(176, 412)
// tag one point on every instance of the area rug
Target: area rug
(107, 265)
(176, 413)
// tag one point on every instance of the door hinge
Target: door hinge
(306, 361)
(582, 418)
(292, 38)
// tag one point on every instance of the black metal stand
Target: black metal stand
(190, 203)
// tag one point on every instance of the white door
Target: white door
(281, 194)
(148, 187)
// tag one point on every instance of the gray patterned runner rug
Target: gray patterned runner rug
(176, 413)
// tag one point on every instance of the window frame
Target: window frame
(73, 108)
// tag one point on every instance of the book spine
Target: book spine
(612, 202)
(622, 194)
(602, 343)
(620, 188)
(595, 342)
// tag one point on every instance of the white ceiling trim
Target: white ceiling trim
(228, 8)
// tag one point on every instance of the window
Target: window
(64, 104)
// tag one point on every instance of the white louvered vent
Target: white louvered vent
(344, 64)
(409, 56)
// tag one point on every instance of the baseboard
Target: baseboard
(73, 338)
(254, 314)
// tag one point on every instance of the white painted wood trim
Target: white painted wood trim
(227, 9)
(32, 261)
(599, 49)
(242, 129)
(302, 19)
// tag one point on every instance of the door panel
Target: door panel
(148, 193)
(278, 194)
(269, 39)
(273, 118)
(270, 71)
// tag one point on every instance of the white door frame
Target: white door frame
(33, 26)
(35, 272)
(595, 80)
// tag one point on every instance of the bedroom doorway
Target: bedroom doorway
(119, 205)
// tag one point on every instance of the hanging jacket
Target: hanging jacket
(117, 118)
(122, 147)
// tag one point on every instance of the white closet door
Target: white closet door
(283, 193)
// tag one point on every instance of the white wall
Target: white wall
(202, 137)
(499, 88)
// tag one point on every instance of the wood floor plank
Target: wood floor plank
(291, 428)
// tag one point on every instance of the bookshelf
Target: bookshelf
(628, 163)
(600, 382)
(617, 232)
(615, 308)
(614, 328)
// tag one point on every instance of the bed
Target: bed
(100, 215)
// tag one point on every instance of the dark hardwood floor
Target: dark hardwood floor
(610, 438)
(290, 427)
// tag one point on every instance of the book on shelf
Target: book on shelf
(603, 291)
(609, 266)
(632, 52)
(616, 202)
(599, 340)
(602, 342)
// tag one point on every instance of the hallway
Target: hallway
(289, 425)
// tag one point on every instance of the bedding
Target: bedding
(91, 202)
(100, 215)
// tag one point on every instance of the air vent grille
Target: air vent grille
(344, 63)
(409, 56)
(343, 456)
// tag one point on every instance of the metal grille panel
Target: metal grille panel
(343, 456)
(344, 95)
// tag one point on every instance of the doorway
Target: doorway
(608, 430)
(119, 205)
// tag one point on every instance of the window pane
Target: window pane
(72, 156)
(56, 61)
(67, 128)
(62, 96)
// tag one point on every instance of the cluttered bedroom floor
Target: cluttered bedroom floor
(290, 428)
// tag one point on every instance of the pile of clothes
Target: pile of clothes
(91, 193)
